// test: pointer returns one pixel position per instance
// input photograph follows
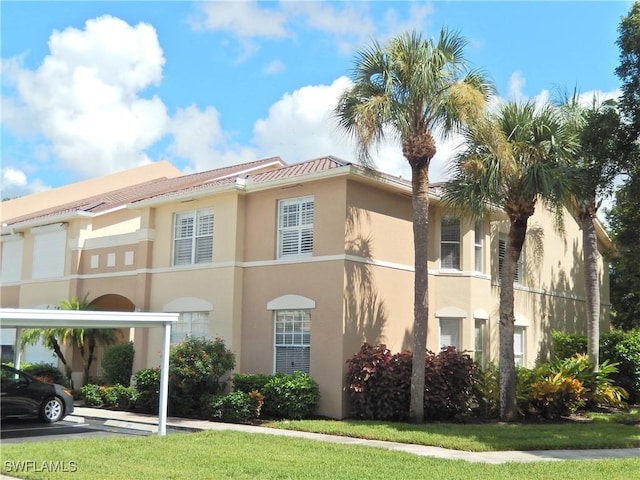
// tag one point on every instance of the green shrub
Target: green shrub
(557, 395)
(249, 382)
(486, 391)
(196, 368)
(45, 373)
(147, 387)
(91, 395)
(117, 363)
(566, 345)
(118, 396)
(623, 349)
(291, 396)
(235, 407)
(561, 387)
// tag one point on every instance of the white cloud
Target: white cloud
(415, 20)
(273, 67)
(84, 98)
(516, 83)
(243, 18)
(300, 126)
(196, 133)
(14, 183)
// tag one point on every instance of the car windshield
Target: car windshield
(9, 375)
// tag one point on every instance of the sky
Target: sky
(90, 88)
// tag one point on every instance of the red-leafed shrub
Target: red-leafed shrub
(380, 383)
(449, 378)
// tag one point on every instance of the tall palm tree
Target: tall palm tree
(596, 165)
(513, 159)
(405, 89)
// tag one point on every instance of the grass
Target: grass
(235, 455)
(603, 431)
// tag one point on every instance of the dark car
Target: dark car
(22, 395)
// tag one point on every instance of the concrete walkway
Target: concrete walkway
(150, 423)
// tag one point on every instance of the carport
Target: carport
(20, 318)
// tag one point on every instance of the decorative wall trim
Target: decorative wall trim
(291, 302)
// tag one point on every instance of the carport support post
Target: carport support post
(17, 352)
(164, 380)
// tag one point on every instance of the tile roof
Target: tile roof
(162, 186)
(166, 188)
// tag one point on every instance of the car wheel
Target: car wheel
(52, 410)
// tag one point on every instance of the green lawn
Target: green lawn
(227, 454)
(234, 455)
(603, 432)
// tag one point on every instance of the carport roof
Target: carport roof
(42, 318)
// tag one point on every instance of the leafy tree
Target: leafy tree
(624, 217)
(513, 158)
(405, 89)
(629, 69)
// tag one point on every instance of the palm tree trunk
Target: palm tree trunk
(420, 187)
(592, 285)
(507, 369)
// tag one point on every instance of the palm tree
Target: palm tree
(594, 170)
(86, 339)
(512, 159)
(405, 89)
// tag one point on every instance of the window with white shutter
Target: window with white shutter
(450, 332)
(478, 247)
(502, 251)
(190, 324)
(292, 341)
(12, 252)
(49, 251)
(193, 237)
(295, 227)
(450, 243)
(519, 345)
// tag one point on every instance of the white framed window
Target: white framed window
(450, 332)
(519, 345)
(502, 251)
(193, 237)
(12, 252)
(478, 247)
(49, 250)
(450, 243)
(295, 227)
(292, 341)
(480, 339)
(193, 324)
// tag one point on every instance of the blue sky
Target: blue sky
(90, 88)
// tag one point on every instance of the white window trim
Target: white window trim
(478, 247)
(451, 242)
(195, 235)
(299, 345)
(519, 266)
(300, 228)
(458, 324)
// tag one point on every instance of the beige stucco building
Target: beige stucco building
(294, 266)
